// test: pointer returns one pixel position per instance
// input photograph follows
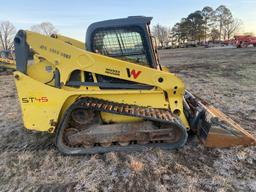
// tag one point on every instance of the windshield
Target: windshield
(125, 44)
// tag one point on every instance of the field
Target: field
(225, 77)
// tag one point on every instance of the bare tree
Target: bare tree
(214, 34)
(232, 27)
(223, 17)
(207, 14)
(45, 28)
(196, 23)
(161, 33)
(181, 31)
(175, 34)
(7, 33)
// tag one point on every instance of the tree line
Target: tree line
(8, 31)
(200, 26)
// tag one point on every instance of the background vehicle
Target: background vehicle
(243, 41)
(7, 60)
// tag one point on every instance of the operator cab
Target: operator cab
(127, 39)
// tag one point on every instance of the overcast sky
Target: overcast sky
(73, 17)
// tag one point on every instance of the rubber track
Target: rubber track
(154, 114)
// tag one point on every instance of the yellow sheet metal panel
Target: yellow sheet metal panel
(42, 71)
(9, 61)
(114, 118)
(150, 99)
(70, 41)
(40, 104)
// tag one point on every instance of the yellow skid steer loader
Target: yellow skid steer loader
(111, 94)
(7, 61)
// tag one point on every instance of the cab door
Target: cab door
(126, 43)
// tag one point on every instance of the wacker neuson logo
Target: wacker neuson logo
(133, 73)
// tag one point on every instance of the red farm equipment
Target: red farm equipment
(243, 41)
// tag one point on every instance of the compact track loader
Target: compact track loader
(7, 61)
(111, 94)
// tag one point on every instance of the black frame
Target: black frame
(139, 22)
(133, 29)
(21, 51)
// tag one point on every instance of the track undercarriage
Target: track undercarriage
(82, 132)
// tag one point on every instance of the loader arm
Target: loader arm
(69, 40)
(68, 58)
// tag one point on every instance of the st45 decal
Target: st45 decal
(133, 73)
(34, 99)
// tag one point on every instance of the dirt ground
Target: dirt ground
(225, 77)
